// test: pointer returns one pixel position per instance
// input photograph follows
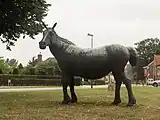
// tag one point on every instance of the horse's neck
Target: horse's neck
(59, 47)
(55, 50)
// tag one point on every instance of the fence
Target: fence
(30, 80)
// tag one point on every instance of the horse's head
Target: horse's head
(48, 35)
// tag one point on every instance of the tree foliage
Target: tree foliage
(28, 70)
(33, 62)
(12, 62)
(20, 66)
(147, 48)
(4, 67)
(21, 17)
(15, 71)
(48, 67)
(1, 72)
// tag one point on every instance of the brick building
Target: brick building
(152, 70)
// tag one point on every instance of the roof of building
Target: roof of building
(51, 58)
(156, 61)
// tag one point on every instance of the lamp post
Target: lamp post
(91, 35)
(91, 39)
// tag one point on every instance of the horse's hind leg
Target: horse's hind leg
(117, 98)
(73, 95)
(65, 82)
(127, 83)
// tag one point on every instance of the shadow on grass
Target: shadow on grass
(97, 103)
(107, 103)
(54, 104)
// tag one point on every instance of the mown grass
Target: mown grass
(93, 104)
(8, 87)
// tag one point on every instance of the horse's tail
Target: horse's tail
(133, 56)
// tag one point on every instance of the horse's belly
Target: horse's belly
(88, 67)
(92, 71)
(93, 74)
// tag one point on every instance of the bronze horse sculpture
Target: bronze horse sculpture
(89, 63)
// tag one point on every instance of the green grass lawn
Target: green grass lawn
(93, 104)
(8, 87)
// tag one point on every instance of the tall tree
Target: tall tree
(147, 48)
(33, 62)
(12, 62)
(28, 70)
(47, 67)
(21, 17)
(20, 66)
(4, 67)
(15, 71)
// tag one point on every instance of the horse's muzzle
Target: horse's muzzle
(42, 45)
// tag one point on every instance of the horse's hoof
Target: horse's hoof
(66, 101)
(131, 104)
(116, 102)
(73, 101)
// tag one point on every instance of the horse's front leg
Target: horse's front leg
(65, 82)
(73, 95)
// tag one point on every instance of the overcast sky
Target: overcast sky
(110, 21)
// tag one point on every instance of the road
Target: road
(54, 88)
(7, 89)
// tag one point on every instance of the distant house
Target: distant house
(152, 70)
(34, 61)
(39, 59)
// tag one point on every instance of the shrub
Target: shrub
(33, 79)
(15, 71)
(1, 72)
(99, 82)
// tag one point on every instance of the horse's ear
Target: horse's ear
(54, 25)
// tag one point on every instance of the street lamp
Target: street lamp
(91, 35)
(91, 39)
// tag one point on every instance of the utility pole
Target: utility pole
(91, 35)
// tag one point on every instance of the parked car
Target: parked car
(149, 81)
(155, 83)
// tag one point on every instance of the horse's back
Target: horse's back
(101, 59)
(118, 51)
(77, 51)
(101, 55)
(118, 56)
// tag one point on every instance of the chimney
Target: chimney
(33, 59)
(39, 57)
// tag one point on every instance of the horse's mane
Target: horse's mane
(65, 41)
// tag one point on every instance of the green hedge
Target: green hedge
(34, 80)
(39, 82)
(30, 76)
(95, 82)
(99, 82)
